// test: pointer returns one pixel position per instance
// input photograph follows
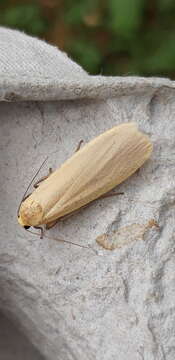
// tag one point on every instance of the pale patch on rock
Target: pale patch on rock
(125, 235)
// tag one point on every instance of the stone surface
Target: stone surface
(73, 303)
(13, 343)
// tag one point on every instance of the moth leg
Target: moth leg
(25, 197)
(79, 145)
(86, 205)
(41, 231)
(53, 223)
(110, 195)
(43, 178)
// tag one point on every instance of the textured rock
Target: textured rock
(13, 344)
(71, 302)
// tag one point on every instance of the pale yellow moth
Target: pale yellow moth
(95, 169)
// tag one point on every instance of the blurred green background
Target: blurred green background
(109, 37)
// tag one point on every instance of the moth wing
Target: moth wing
(101, 165)
(95, 169)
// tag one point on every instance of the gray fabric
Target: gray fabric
(71, 302)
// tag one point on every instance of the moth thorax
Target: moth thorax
(30, 213)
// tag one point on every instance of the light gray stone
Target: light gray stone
(73, 303)
(13, 343)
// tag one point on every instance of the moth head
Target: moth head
(30, 213)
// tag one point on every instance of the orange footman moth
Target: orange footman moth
(94, 170)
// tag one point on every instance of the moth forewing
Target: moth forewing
(95, 169)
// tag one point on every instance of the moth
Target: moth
(92, 171)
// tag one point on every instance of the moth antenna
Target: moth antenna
(61, 240)
(30, 184)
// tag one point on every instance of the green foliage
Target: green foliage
(166, 5)
(112, 37)
(75, 11)
(163, 58)
(124, 16)
(27, 17)
(87, 54)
